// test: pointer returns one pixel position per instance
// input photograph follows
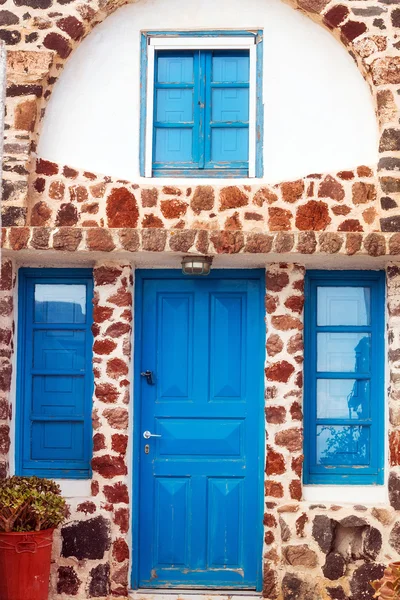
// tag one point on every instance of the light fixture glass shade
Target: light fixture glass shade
(196, 265)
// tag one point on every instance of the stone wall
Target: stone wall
(7, 287)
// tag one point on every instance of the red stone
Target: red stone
(271, 303)
(301, 523)
(295, 303)
(94, 488)
(5, 377)
(364, 171)
(340, 210)
(275, 414)
(106, 275)
(331, 188)
(6, 275)
(25, 114)
(6, 305)
(117, 417)
(232, 197)
(274, 489)
(39, 184)
(151, 221)
(100, 239)
(121, 518)
(154, 240)
(78, 193)
(295, 489)
(280, 371)
(115, 330)
(41, 213)
(292, 191)
(170, 190)
(269, 538)
(104, 346)
(227, 242)
(173, 209)
(350, 225)
(70, 173)
(55, 41)
(297, 465)
(352, 30)
(109, 466)
(363, 192)
(312, 216)
(292, 439)
(67, 239)
(99, 442)
(269, 520)
(264, 196)
(295, 344)
(279, 219)
(203, 199)
(296, 412)
(101, 313)
(233, 223)
(45, 167)
(116, 367)
(122, 210)
(394, 448)
(119, 443)
(120, 550)
(336, 15)
(117, 493)
(67, 215)
(87, 507)
(72, 26)
(4, 438)
(106, 392)
(274, 345)
(346, 175)
(56, 190)
(121, 298)
(19, 237)
(285, 323)
(276, 281)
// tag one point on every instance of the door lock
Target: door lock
(149, 377)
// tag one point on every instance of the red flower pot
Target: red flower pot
(25, 565)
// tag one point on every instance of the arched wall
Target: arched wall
(315, 99)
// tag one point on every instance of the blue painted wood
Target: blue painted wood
(201, 485)
(206, 145)
(54, 385)
(344, 377)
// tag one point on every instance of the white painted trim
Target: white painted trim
(252, 111)
(75, 488)
(148, 168)
(208, 43)
(346, 494)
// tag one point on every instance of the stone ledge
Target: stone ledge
(70, 239)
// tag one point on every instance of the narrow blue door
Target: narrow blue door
(201, 479)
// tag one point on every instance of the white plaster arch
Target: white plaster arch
(319, 114)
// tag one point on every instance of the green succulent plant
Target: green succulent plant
(30, 504)
(388, 588)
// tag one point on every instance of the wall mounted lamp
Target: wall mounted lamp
(196, 265)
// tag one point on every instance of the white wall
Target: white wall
(319, 114)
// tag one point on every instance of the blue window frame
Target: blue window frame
(203, 124)
(55, 380)
(344, 370)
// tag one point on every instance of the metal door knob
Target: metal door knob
(147, 435)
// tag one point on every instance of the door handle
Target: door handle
(149, 377)
(147, 435)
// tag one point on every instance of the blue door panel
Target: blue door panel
(230, 104)
(175, 69)
(230, 69)
(61, 441)
(174, 106)
(59, 350)
(201, 481)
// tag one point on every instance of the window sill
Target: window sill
(75, 488)
(346, 494)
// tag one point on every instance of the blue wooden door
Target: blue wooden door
(201, 482)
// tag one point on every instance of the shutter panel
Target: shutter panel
(56, 384)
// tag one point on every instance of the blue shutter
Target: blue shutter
(227, 109)
(201, 113)
(344, 352)
(55, 377)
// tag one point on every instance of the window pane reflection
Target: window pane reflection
(343, 306)
(342, 445)
(343, 352)
(60, 303)
(342, 399)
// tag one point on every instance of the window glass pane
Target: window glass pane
(173, 145)
(342, 445)
(343, 305)
(60, 303)
(229, 144)
(344, 352)
(230, 104)
(174, 69)
(174, 106)
(342, 399)
(229, 68)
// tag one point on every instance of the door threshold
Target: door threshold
(189, 594)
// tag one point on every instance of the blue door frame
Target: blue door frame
(138, 443)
